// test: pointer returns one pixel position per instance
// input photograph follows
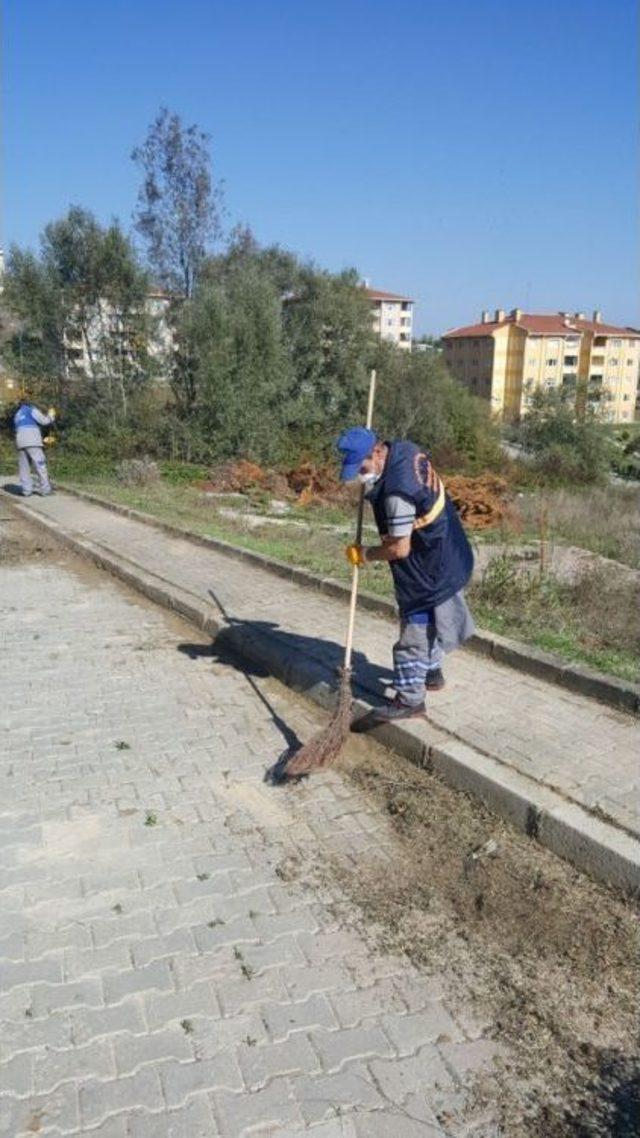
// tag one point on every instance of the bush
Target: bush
(565, 447)
(182, 473)
(138, 472)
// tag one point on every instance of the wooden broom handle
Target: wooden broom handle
(355, 572)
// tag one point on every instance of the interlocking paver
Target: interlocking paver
(133, 1051)
(155, 977)
(325, 1096)
(273, 1106)
(98, 1100)
(168, 981)
(180, 1080)
(336, 1048)
(427, 1026)
(281, 1020)
(193, 1120)
(52, 1067)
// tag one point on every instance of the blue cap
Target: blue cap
(355, 445)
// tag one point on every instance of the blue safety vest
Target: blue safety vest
(441, 559)
(24, 417)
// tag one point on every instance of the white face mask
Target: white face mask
(368, 479)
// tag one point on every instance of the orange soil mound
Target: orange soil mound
(481, 502)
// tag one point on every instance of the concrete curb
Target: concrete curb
(620, 694)
(606, 852)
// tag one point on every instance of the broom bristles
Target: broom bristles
(327, 744)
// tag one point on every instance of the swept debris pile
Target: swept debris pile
(307, 482)
(244, 477)
(483, 501)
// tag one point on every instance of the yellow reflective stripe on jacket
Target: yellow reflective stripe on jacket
(434, 512)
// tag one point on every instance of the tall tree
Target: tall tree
(81, 304)
(179, 204)
(242, 369)
(327, 323)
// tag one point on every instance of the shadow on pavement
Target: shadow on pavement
(321, 662)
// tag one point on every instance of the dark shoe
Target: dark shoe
(392, 712)
(435, 680)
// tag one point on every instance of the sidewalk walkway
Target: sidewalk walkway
(164, 970)
(584, 750)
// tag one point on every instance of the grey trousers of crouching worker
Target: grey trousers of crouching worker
(28, 456)
(421, 648)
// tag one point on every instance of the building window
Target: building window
(570, 361)
(616, 343)
(595, 378)
(625, 398)
(613, 363)
(552, 363)
(629, 363)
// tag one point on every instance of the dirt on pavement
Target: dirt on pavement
(548, 958)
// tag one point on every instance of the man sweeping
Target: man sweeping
(27, 422)
(429, 556)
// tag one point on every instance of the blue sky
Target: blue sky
(471, 153)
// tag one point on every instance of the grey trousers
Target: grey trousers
(28, 456)
(421, 647)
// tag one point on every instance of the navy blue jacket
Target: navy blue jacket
(441, 559)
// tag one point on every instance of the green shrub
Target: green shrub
(138, 472)
(565, 447)
(181, 473)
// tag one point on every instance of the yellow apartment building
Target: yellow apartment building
(506, 358)
(392, 316)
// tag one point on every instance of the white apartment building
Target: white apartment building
(392, 316)
(85, 354)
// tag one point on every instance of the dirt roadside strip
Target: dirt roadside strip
(590, 842)
(621, 694)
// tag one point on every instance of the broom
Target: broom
(326, 746)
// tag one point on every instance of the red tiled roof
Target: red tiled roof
(377, 294)
(543, 325)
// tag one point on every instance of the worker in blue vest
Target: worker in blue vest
(429, 555)
(28, 421)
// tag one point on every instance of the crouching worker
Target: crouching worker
(27, 422)
(429, 556)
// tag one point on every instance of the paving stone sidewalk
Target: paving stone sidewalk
(158, 977)
(567, 741)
